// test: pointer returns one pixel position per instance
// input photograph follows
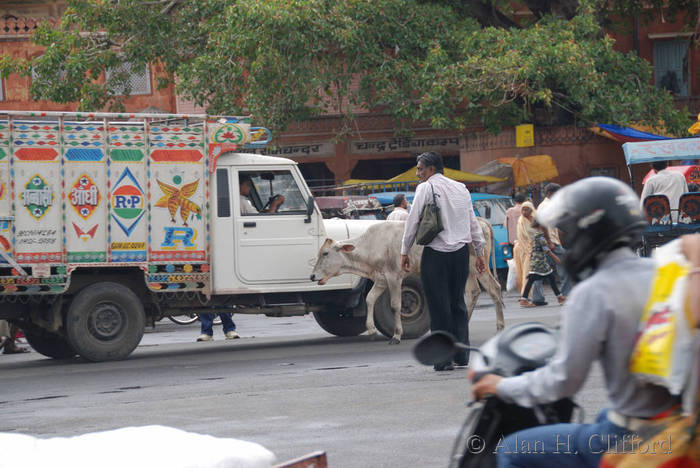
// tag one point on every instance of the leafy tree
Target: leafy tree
(452, 63)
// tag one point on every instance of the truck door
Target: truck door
(273, 245)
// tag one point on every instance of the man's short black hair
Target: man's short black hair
(244, 178)
(398, 199)
(659, 165)
(519, 197)
(431, 158)
(551, 188)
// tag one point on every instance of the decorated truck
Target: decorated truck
(109, 222)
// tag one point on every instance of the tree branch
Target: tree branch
(487, 14)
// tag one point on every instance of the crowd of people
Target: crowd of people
(537, 251)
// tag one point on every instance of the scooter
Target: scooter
(517, 349)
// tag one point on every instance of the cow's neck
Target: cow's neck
(356, 266)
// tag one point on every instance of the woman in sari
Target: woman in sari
(523, 243)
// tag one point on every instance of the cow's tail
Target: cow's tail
(493, 253)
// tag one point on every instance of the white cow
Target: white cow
(376, 255)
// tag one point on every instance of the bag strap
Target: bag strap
(434, 200)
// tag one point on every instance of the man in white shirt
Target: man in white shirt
(665, 182)
(400, 212)
(445, 260)
(245, 184)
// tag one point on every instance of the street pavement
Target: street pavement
(286, 384)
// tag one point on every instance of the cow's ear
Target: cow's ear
(327, 242)
(348, 248)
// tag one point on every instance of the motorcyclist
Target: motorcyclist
(599, 219)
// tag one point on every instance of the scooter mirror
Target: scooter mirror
(435, 348)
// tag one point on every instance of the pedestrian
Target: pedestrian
(665, 182)
(600, 221)
(207, 326)
(400, 211)
(557, 248)
(8, 337)
(512, 216)
(523, 243)
(691, 249)
(444, 267)
(540, 267)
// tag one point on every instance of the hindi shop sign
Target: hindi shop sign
(406, 145)
(311, 150)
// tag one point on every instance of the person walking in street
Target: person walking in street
(400, 212)
(557, 248)
(540, 267)
(523, 250)
(600, 220)
(8, 337)
(665, 182)
(512, 216)
(444, 265)
(207, 326)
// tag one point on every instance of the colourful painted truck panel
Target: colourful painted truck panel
(105, 190)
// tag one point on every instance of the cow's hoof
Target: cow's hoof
(499, 327)
(394, 340)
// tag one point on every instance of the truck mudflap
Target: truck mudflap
(312, 460)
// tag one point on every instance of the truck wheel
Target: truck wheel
(49, 344)
(415, 316)
(336, 323)
(105, 322)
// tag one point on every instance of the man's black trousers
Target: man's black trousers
(444, 275)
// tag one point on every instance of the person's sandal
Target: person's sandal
(526, 303)
(14, 349)
(561, 299)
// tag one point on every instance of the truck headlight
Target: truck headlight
(506, 251)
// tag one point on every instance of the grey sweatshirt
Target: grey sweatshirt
(600, 321)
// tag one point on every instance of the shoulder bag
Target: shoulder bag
(430, 224)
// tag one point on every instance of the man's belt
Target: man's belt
(634, 424)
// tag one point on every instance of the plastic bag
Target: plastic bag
(669, 442)
(663, 349)
(512, 278)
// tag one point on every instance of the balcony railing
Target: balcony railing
(692, 103)
(11, 26)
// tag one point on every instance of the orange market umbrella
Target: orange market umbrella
(531, 169)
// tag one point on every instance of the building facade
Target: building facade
(372, 151)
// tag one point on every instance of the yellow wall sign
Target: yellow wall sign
(524, 135)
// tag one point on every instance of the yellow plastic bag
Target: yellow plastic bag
(672, 442)
(663, 351)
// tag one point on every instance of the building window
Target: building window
(137, 81)
(603, 171)
(57, 74)
(671, 66)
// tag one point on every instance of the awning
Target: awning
(362, 181)
(663, 150)
(460, 176)
(627, 134)
(531, 169)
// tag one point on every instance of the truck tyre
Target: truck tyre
(49, 344)
(105, 322)
(341, 323)
(415, 315)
